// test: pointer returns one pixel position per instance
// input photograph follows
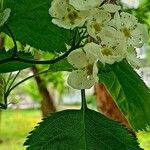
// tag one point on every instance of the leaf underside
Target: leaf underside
(78, 130)
(31, 24)
(129, 92)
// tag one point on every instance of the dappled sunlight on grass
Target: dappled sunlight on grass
(15, 127)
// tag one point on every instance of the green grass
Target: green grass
(15, 126)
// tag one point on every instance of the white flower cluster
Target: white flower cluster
(114, 34)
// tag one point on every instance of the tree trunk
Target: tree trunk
(107, 106)
(47, 104)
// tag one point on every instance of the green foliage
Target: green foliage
(62, 65)
(31, 24)
(129, 92)
(13, 65)
(80, 129)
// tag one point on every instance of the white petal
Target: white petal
(61, 23)
(133, 60)
(112, 59)
(144, 32)
(95, 72)
(79, 80)
(136, 38)
(102, 16)
(97, 22)
(131, 57)
(91, 32)
(111, 8)
(85, 4)
(4, 16)
(116, 21)
(67, 24)
(107, 35)
(66, 16)
(92, 51)
(77, 59)
(121, 42)
(58, 8)
(128, 20)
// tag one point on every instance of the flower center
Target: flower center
(106, 51)
(72, 16)
(89, 69)
(126, 32)
(97, 27)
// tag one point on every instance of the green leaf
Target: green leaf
(62, 65)
(13, 65)
(80, 130)
(31, 24)
(129, 92)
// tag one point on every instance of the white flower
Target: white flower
(139, 36)
(110, 35)
(131, 57)
(66, 16)
(85, 4)
(144, 32)
(96, 23)
(110, 54)
(135, 33)
(4, 16)
(107, 53)
(85, 61)
(111, 8)
(113, 45)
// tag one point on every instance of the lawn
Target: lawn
(15, 127)
(17, 123)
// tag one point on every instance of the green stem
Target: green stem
(14, 57)
(4, 106)
(13, 80)
(84, 105)
(17, 84)
(52, 61)
(83, 108)
(7, 81)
